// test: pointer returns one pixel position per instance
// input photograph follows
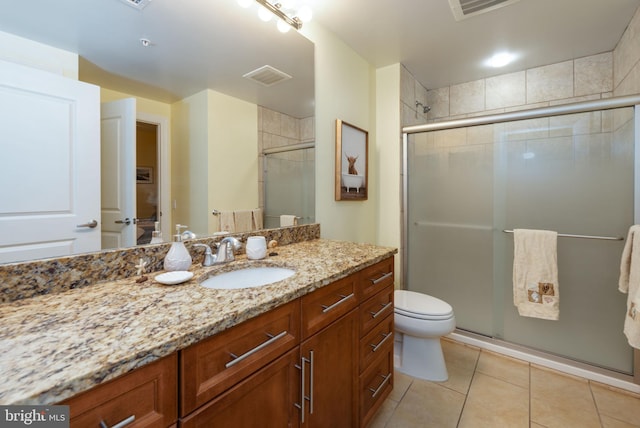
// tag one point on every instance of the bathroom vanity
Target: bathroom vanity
(315, 349)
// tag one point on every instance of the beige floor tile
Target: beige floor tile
(617, 404)
(427, 404)
(561, 401)
(505, 368)
(401, 383)
(495, 403)
(609, 422)
(383, 414)
(461, 362)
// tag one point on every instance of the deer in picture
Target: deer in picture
(352, 164)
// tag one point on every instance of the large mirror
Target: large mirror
(165, 54)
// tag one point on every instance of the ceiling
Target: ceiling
(201, 44)
(440, 51)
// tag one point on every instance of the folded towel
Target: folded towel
(244, 220)
(288, 220)
(257, 219)
(535, 273)
(227, 221)
(629, 283)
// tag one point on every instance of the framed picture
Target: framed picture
(352, 163)
(144, 175)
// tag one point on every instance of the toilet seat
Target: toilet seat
(421, 306)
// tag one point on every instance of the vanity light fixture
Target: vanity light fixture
(286, 12)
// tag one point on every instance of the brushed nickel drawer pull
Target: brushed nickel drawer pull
(121, 424)
(304, 397)
(384, 308)
(376, 347)
(311, 382)
(236, 360)
(379, 388)
(326, 308)
(382, 278)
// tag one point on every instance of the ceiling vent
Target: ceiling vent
(267, 75)
(138, 4)
(467, 8)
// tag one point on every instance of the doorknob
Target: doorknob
(91, 225)
(125, 221)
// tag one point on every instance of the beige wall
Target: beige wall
(344, 90)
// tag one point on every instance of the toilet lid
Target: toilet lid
(422, 306)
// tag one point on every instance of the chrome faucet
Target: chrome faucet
(209, 258)
(226, 251)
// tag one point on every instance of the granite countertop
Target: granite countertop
(57, 345)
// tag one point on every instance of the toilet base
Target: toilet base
(421, 358)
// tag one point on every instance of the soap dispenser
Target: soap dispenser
(178, 258)
(156, 235)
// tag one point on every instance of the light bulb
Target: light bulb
(305, 14)
(245, 3)
(500, 59)
(283, 27)
(264, 14)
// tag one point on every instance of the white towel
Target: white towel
(257, 219)
(288, 220)
(535, 273)
(244, 220)
(227, 221)
(629, 283)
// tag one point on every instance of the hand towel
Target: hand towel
(535, 273)
(629, 283)
(227, 221)
(288, 220)
(244, 220)
(257, 219)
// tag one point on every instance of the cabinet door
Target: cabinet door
(330, 359)
(265, 399)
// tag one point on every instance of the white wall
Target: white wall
(344, 89)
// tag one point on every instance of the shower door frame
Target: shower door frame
(565, 109)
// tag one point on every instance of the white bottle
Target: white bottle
(156, 235)
(178, 258)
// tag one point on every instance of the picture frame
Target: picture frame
(352, 162)
(144, 175)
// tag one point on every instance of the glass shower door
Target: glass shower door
(572, 174)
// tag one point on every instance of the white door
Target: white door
(49, 164)
(118, 158)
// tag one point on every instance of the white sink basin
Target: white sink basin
(247, 278)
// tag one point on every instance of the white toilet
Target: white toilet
(420, 320)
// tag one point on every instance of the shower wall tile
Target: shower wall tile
(550, 82)
(467, 97)
(270, 121)
(575, 124)
(307, 129)
(593, 74)
(407, 87)
(420, 93)
(438, 99)
(289, 127)
(627, 53)
(483, 134)
(451, 137)
(506, 90)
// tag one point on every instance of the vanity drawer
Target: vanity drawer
(210, 367)
(375, 278)
(325, 305)
(376, 309)
(376, 384)
(149, 395)
(376, 342)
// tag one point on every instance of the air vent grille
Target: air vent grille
(138, 4)
(467, 8)
(267, 75)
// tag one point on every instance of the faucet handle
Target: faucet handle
(209, 258)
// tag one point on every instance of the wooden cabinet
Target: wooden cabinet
(148, 397)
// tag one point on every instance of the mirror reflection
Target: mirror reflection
(203, 134)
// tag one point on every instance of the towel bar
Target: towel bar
(564, 235)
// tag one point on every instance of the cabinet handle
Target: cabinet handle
(236, 360)
(384, 308)
(379, 388)
(376, 347)
(382, 278)
(121, 424)
(326, 308)
(304, 397)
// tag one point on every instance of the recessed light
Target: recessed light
(500, 59)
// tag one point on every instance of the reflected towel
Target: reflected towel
(535, 273)
(629, 283)
(227, 221)
(257, 219)
(244, 220)
(288, 220)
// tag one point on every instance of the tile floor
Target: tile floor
(488, 390)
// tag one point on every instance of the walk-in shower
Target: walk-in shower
(568, 168)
